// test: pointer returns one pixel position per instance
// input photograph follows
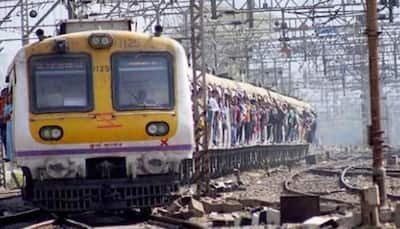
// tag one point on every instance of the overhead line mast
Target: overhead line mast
(201, 156)
(375, 132)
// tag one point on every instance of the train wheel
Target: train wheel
(27, 190)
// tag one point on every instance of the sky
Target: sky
(8, 53)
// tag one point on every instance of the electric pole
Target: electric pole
(375, 133)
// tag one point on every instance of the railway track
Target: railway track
(364, 174)
(37, 219)
(325, 195)
(341, 182)
(325, 182)
(25, 219)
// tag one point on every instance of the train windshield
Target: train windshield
(60, 83)
(142, 81)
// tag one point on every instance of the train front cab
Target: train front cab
(103, 128)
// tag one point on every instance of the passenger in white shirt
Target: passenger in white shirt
(213, 109)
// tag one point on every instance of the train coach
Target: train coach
(244, 114)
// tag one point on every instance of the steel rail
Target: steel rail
(356, 189)
(368, 171)
(64, 223)
(314, 169)
(32, 215)
(176, 223)
(286, 186)
(37, 218)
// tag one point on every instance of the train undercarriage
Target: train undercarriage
(73, 195)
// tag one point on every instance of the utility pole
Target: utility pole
(250, 16)
(365, 106)
(200, 155)
(375, 133)
(289, 91)
(262, 65)
(275, 75)
(395, 59)
(247, 50)
(70, 5)
(215, 48)
(24, 22)
(324, 61)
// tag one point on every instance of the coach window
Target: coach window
(142, 81)
(61, 83)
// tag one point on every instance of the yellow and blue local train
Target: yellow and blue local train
(95, 114)
(102, 119)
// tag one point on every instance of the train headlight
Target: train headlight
(57, 168)
(56, 133)
(157, 128)
(100, 40)
(152, 129)
(51, 133)
(61, 46)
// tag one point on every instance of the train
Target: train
(102, 118)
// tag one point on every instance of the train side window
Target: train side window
(142, 81)
(61, 83)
